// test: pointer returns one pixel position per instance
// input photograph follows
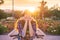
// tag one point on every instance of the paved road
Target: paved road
(49, 37)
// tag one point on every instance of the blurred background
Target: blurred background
(46, 12)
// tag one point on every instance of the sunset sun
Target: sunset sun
(31, 9)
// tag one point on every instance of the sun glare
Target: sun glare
(31, 9)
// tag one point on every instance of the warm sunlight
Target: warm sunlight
(18, 3)
(31, 9)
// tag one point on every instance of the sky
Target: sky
(23, 4)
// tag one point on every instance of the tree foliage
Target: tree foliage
(55, 13)
(3, 29)
(18, 14)
(4, 14)
(54, 30)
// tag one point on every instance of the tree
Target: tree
(18, 14)
(4, 14)
(3, 29)
(55, 13)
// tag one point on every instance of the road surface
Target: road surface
(49, 37)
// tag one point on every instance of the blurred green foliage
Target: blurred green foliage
(55, 14)
(54, 30)
(3, 29)
(4, 14)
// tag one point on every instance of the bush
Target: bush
(3, 29)
(54, 30)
